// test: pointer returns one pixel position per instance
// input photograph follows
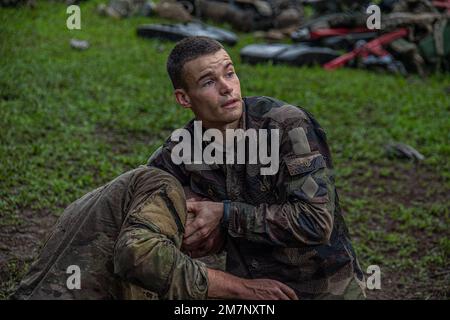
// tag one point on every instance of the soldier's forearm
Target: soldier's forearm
(286, 224)
(223, 285)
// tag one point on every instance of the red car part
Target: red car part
(375, 46)
(442, 4)
(322, 33)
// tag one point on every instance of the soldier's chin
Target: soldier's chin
(233, 114)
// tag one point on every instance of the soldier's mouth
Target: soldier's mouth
(230, 103)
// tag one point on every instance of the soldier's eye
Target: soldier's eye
(207, 83)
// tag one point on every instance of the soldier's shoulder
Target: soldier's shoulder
(169, 143)
(274, 109)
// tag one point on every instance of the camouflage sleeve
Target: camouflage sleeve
(161, 159)
(147, 251)
(304, 186)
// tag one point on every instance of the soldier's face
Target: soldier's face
(213, 90)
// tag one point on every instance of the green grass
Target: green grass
(72, 120)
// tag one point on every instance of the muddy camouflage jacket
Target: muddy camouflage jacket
(125, 238)
(287, 226)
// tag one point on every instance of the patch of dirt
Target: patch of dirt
(400, 182)
(409, 185)
(19, 245)
(408, 286)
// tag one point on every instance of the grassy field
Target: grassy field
(72, 120)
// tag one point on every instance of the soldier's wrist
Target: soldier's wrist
(226, 214)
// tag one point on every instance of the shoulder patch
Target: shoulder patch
(302, 165)
(299, 140)
(285, 112)
(259, 106)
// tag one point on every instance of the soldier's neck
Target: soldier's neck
(222, 127)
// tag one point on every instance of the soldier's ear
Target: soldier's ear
(182, 98)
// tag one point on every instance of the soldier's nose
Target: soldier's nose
(225, 88)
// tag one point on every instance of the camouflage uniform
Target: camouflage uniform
(286, 226)
(125, 237)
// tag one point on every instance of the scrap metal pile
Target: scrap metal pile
(413, 36)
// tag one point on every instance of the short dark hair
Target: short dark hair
(186, 50)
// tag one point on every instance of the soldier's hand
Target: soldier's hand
(192, 196)
(266, 289)
(213, 244)
(223, 285)
(206, 218)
